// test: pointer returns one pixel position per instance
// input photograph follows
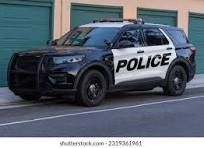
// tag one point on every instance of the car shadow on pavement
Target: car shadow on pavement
(114, 98)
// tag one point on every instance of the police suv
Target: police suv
(104, 56)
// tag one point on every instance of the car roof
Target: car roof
(107, 24)
(128, 24)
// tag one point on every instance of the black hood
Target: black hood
(60, 51)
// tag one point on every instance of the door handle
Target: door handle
(169, 48)
(140, 51)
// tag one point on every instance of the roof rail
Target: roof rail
(139, 21)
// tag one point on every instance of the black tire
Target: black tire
(176, 82)
(30, 97)
(92, 89)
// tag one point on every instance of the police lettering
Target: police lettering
(137, 63)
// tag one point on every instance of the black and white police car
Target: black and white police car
(104, 56)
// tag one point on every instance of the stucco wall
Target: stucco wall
(183, 7)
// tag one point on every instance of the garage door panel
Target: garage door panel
(22, 27)
(22, 36)
(196, 35)
(198, 41)
(196, 25)
(158, 19)
(13, 32)
(13, 22)
(82, 14)
(158, 16)
(32, 26)
(87, 17)
(200, 53)
(200, 67)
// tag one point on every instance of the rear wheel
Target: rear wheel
(92, 89)
(176, 83)
(30, 97)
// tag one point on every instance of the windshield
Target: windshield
(89, 37)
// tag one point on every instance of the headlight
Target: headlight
(67, 59)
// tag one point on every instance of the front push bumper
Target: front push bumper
(41, 80)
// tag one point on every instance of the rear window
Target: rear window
(178, 37)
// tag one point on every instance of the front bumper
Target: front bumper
(23, 79)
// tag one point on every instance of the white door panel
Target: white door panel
(154, 62)
(124, 54)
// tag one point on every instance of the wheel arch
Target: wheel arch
(105, 70)
(178, 61)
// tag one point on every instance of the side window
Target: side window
(178, 36)
(131, 38)
(155, 37)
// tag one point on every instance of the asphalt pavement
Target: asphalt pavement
(147, 114)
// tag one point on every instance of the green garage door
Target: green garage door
(22, 26)
(158, 16)
(82, 14)
(196, 36)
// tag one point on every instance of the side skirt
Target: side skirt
(138, 85)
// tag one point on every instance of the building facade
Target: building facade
(28, 24)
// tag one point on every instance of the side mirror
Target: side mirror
(52, 42)
(126, 44)
(108, 43)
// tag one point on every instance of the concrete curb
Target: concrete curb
(198, 81)
(7, 97)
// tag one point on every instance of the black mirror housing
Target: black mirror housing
(52, 42)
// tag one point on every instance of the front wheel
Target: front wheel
(92, 89)
(176, 81)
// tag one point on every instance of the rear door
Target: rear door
(150, 59)
(159, 52)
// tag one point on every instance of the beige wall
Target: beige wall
(183, 7)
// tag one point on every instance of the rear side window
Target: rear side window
(154, 37)
(178, 37)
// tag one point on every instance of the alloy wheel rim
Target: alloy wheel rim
(178, 80)
(94, 89)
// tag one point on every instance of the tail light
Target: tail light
(193, 49)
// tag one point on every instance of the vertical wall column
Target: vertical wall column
(183, 18)
(66, 15)
(130, 10)
(62, 15)
(57, 19)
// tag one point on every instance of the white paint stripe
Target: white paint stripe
(98, 111)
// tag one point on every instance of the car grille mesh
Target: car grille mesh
(25, 71)
(27, 63)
